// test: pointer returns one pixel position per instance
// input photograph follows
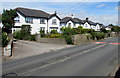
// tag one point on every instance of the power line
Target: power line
(71, 7)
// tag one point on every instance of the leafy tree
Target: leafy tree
(103, 30)
(115, 29)
(8, 20)
(110, 25)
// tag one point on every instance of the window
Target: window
(54, 22)
(42, 28)
(85, 25)
(42, 21)
(17, 19)
(53, 28)
(69, 24)
(29, 20)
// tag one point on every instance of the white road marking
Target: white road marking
(86, 51)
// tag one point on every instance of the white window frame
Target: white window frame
(42, 21)
(54, 21)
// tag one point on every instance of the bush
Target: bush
(55, 36)
(17, 34)
(25, 32)
(32, 38)
(98, 35)
(42, 33)
(5, 39)
(53, 32)
(68, 39)
(67, 32)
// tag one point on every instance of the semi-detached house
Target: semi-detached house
(37, 19)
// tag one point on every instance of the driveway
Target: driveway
(29, 48)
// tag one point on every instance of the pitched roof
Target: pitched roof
(51, 15)
(34, 13)
(74, 20)
(90, 22)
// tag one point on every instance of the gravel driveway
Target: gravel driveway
(29, 48)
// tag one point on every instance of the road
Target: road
(92, 59)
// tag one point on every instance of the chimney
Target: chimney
(72, 16)
(87, 19)
(55, 12)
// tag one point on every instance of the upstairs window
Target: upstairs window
(29, 20)
(54, 22)
(17, 19)
(42, 21)
(69, 24)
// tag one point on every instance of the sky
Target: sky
(102, 12)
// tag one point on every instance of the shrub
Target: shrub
(67, 32)
(5, 39)
(55, 36)
(93, 35)
(98, 35)
(42, 33)
(32, 38)
(25, 32)
(17, 34)
(68, 39)
(53, 32)
(103, 30)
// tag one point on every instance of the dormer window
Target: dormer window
(42, 21)
(54, 22)
(17, 19)
(29, 20)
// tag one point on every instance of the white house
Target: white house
(37, 19)
(108, 27)
(92, 25)
(71, 21)
(75, 22)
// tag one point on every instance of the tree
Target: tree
(110, 25)
(103, 30)
(115, 29)
(8, 20)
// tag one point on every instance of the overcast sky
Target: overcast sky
(103, 12)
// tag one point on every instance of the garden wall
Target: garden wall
(50, 40)
(80, 39)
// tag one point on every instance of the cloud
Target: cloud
(101, 5)
(105, 19)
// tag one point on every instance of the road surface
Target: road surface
(92, 59)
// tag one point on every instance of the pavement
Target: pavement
(23, 48)
(92, 59)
